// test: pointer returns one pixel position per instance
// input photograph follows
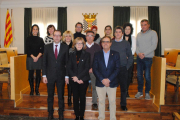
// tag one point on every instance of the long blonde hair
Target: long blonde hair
(66, 33)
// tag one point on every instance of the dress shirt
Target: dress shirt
(106, 57)
(88, 45)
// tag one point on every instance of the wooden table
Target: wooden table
(169, 70)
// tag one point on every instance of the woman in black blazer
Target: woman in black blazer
(78, 67)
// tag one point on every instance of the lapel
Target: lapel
(52, 51)
(81, 58)
(60, 51)
(102, 58)
(110, 58)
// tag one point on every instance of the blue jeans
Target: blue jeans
(144, 65)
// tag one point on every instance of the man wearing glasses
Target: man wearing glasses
(106, 68)
(78, 29)
(55, 60)
(92, 48)
(126, 60)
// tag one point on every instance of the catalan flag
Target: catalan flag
(8, 38)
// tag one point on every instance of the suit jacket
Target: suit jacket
(82, 70)
(52, 68)
(111, 71)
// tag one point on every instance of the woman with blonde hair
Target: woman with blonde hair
(78, 67)
(68, 40)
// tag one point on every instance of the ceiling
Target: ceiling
(50, 3)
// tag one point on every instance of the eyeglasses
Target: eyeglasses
(57, 35)
(105, 41)
(79, 43)
(89, 35)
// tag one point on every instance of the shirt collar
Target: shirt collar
(88, 45)
(107, 52)
(120, 40)
(56, 44)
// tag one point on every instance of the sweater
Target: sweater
(79, 34)
(92, 50)
(146, 43)
(124, 50)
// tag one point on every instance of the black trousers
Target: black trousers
(60, 90)
(31, 74)
(122, 77)
(79, 93)
(130, 75)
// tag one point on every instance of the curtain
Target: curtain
(153, 15)
(62, 19)
(136, 15)
(120, 16)
(27, 24)
(43, 17)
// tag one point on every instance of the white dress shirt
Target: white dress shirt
(88, 45)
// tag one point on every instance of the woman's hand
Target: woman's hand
(80, 82)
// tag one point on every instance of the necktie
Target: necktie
(56, 52)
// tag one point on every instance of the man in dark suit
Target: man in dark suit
(106, 66)
(54, 70)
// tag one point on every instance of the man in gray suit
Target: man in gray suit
(54, 72)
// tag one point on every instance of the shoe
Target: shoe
(69, 95)
(37, 86)
(50, 117)
(77, 118)
(138, 95)
(81, 118)
(147, 96)
(95, 106)
(61, 117)
(124, 108)
(31, 83)
(127, 95)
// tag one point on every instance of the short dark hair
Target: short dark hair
(106, 37)
(130, 25)
(50, 26)
(32, 30)
(107, 26)
(89, 31)
(80, 24)
(118, 27)
(145, 20)
(56, 31)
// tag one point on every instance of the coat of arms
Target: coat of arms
(89, 21)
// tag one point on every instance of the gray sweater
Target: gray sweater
(124, 50)
(146, 43)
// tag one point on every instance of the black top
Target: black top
(70, 45)
(79, 34)
(78, 55)
(96, 37)
(34, 45)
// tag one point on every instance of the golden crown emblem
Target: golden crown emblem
(90, 16)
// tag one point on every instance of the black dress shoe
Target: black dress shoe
(77, 118)
(69, 102)
(50, 117)
(127, 95)
(81, 118)
(124, 108)
(95, 106)
(61, 117)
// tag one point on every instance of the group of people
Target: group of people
(76, 58)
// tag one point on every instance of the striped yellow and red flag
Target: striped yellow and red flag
(8, 38)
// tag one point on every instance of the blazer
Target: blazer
(52, 68)
(111, 71)
(82, 70)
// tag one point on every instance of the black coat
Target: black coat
(52, 68)
(82, 70)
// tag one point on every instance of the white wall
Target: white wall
(18, 14)
(104, 17)
(169, 17)
(170, 27)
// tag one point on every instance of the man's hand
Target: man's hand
(106, 82)
(67, 80)
(141, 55)
(75, 79)
(80, 82)
(45, 80)
(90, 70)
